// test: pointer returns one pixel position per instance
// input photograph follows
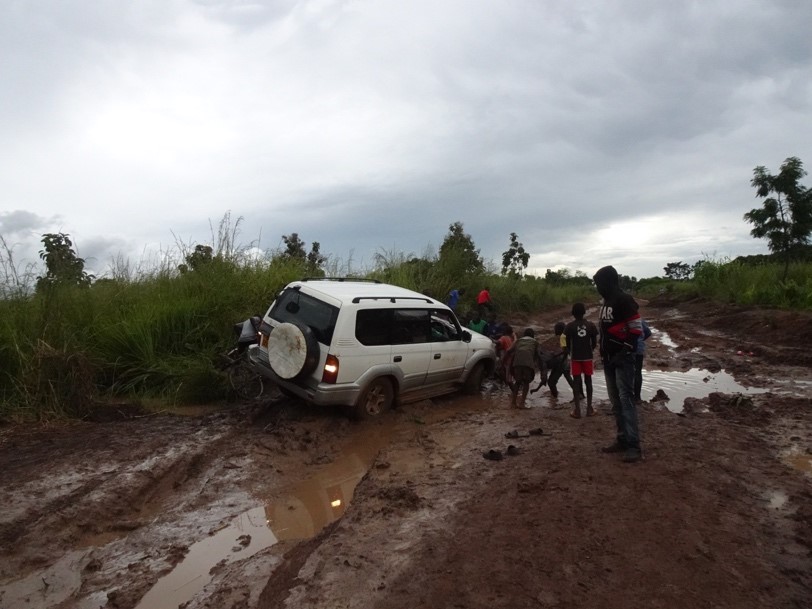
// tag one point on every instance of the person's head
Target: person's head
(559, 328)
(476, 317)
(529, 332)
(461, 291)
(507, 329)
(606, 281)
(578, 310)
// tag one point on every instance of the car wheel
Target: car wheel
(474, 381)
(376, 399)
(293, 351)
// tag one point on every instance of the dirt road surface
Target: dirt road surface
(282, 505)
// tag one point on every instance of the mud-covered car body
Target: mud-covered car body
(366, 345)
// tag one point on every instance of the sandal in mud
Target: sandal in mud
(538, 431)
(515, 434)
(513, 450)
(493, 455)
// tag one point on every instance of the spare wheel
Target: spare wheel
(293, 350)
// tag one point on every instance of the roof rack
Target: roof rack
(392, 299)
(340, 279)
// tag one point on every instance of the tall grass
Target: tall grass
(756, 284)
(158, 333)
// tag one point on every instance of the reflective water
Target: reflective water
(301, 513)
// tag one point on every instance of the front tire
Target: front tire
(474, 381)
(376, 399)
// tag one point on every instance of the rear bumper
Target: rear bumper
(323, 394)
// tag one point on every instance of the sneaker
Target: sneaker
(632, 455)
(617, 447)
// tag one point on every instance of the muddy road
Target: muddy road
(278, 504)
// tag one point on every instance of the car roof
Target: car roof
(347, 290)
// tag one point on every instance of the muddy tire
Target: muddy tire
(474, 381)
(376, 399)
(293, 351)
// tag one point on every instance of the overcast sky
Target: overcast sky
(602, 132)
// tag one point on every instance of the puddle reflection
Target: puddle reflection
(306, 509)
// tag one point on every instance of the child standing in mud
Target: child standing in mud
(582, 338)
(525, 357)
(559, 366)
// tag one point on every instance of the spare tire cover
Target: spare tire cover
(292, 350)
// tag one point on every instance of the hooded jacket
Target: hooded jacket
(620, 323)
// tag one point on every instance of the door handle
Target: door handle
(398, 358)
(438, 355)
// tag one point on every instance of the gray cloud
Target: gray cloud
(368, 125)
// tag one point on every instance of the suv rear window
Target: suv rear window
(392, 326)
(294, 307)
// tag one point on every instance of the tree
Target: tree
(458, 254)
(785, 218)
(295, 251)
(679, 271)
(515, 259)
(202, 256)
(63, 266)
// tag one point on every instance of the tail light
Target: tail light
(330, 373)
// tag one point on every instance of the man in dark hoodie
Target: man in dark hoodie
(620, 329)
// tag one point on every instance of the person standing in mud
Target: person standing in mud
(620, 329)
(559, 366)
(524, 356)
(582, 338)
(639, 356)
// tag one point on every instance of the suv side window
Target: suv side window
(443, 327)
(294, 307)
(372, 327)
(410, 326)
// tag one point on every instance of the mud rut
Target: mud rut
(97, 513)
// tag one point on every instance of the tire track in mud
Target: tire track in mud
(106, 499)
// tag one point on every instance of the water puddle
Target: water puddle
(678, 385)
(305, 509)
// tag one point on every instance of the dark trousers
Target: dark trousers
(619, 373)
(638, 375)
(559, 366)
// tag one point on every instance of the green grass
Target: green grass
(157, 336)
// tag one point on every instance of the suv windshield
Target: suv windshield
(294, 307)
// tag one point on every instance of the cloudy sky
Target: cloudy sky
(622, 132)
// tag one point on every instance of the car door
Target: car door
(411, 349)
(448, 351)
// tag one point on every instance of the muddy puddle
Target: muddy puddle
(301, 512)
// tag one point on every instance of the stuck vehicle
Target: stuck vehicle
(367, 345)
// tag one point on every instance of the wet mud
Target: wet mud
(276, 504)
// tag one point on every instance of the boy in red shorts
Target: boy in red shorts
(582, 338)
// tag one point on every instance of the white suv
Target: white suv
(367, 345)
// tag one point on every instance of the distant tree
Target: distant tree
(294, 247)
(679, 271)
(63, 266)
(201, 256)
(785, 218)
(295, 251)
(565, 277)
(458, 254)
(515, 259)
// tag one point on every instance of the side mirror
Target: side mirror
(466, 336)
